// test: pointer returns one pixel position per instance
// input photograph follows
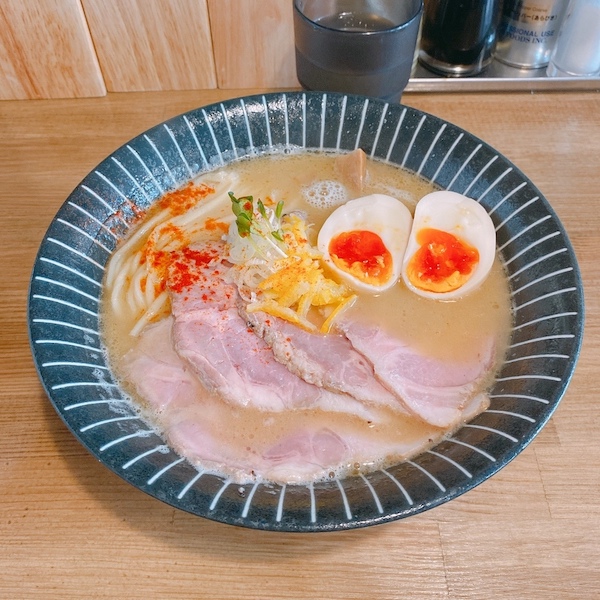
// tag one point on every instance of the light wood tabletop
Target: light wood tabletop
(70, 528)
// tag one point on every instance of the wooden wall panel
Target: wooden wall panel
(152, 44)
(253, 43)
(46, 51)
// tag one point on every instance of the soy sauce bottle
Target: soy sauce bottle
(458, 37)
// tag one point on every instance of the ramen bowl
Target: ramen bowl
(66, 285)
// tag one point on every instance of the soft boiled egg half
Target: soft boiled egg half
(451, 248)
(364, 240)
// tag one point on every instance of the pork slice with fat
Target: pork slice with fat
(155, 369)
(193, 421)
(434, 390)
(300, 446)
(233, 362)
(329, 361)
(239, 366)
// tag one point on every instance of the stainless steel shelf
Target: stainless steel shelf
(500, 78)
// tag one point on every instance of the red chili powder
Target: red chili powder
(180, 201)
(186, 267)
(215, 225)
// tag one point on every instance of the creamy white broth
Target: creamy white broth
(445, 330)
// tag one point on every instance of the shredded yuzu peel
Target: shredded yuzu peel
(278, 271)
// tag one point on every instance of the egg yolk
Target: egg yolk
(442, 263)
(362, 254)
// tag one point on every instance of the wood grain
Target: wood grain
(72, 529)
(46, 51)
(253, 43)
(152, 44)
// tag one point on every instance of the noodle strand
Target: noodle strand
(133, 282)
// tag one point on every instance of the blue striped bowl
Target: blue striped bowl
(67, 278)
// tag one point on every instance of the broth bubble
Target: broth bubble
(325, 194)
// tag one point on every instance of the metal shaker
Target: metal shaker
(528, 30)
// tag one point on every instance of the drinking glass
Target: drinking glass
(356, 46)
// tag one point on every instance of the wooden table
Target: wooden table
(69, 528)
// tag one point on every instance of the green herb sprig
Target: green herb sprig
(245, 217)
(243, 209)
